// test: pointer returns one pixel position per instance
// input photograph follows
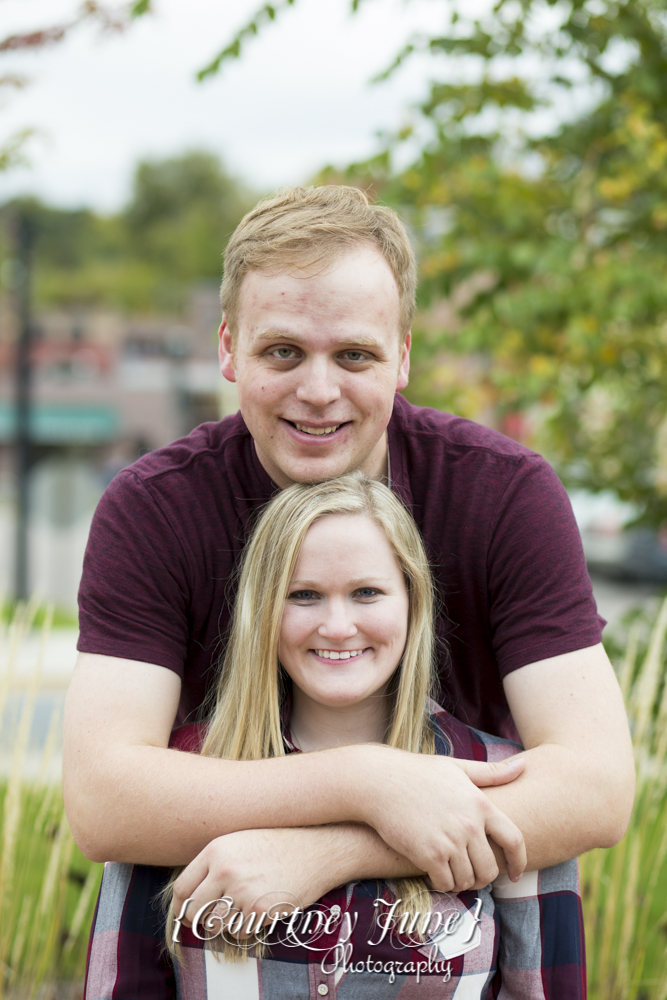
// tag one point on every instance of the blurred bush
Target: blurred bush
(145, 258)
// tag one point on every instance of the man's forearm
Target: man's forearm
(149, 805)
(129, 798)
(345, 852)
(577, 790)
(566, 804)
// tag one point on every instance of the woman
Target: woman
(332, 644)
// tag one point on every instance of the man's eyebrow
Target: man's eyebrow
(275, 333)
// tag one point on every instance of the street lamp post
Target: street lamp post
(23, 377)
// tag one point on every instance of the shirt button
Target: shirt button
(323, 989)
(335, 910)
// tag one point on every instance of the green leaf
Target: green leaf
(233, 50)
(140, 7)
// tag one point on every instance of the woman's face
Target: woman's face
(345, 621)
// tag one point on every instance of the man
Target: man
(318, 296)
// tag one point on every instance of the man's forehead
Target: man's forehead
(359, 270)
(270, 335)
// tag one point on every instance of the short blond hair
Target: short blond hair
(301, 229)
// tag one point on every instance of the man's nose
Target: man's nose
(318, 385)
(338, 624)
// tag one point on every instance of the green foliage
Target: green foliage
(144, 259)
(234, 48)
(47, 888)
(140, 7)
(182, 213)
(624, 888)
(57, 617)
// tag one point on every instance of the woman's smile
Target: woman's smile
(337, 654)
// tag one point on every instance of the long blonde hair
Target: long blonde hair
(246, 722)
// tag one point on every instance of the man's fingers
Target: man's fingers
(483, 862)
(498, 773)
(462, 872)
(508, 836)
(441, 879)
(190, 878)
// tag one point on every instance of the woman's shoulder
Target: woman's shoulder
(454, 738)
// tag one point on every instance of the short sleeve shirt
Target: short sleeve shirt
(159, 573)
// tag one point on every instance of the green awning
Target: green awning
(53, 424)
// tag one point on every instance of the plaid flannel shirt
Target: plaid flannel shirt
(508, 941)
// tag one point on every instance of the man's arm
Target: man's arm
(129, 798)
(577, 790)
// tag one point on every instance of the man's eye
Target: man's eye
(354, 356)
(284, 353)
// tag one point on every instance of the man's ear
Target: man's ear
(404, 366)
(226, 351)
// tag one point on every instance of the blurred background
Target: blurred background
(523, 142)
(524, 145)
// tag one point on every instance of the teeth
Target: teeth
(317, 431)
(330, 654)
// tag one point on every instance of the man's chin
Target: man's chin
(316, 472)
(296, 469)
(292, 465)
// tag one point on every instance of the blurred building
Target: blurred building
(106, 389)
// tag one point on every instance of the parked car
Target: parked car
(611, 547)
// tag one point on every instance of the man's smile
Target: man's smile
(315, 431)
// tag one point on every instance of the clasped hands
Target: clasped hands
(424, 815)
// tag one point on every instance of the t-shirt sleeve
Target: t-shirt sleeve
(135, 588)
(541, 598)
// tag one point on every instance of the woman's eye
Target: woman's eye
(284, 353)
(303, 595)
(368, 592)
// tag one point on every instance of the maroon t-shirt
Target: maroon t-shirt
(158, 582)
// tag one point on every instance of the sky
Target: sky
(299, 97)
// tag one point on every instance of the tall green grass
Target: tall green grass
(625, 888)
(47, 888)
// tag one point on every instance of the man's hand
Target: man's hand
(429, 809)
(260, 869)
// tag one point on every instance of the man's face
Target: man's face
(317, 362)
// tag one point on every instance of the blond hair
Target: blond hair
(306, 229)
(246, 723)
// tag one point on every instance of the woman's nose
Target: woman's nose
(338, 623)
